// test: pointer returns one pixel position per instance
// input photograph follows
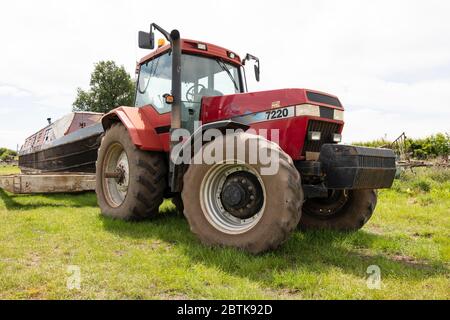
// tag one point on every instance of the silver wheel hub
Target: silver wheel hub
(116, 175)
(232, 198)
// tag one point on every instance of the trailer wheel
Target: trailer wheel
(232, 204)
(130, 183)
(343, 210)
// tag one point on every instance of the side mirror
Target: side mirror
(249, 57)
(146, 40)
(257, 71)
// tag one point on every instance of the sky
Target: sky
(387, 61)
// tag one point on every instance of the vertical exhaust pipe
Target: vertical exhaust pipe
(176, 79)
(175, 172)
(146, 41)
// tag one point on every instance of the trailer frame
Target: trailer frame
(48, 183)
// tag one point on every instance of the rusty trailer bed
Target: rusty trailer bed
(48, 183)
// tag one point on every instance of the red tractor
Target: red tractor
(319, 184)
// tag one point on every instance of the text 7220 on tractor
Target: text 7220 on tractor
(191, 100)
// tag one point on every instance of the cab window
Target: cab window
(154, 82)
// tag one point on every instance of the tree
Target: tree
(6, 154)
(110, 87)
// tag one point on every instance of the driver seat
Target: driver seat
(204, 92)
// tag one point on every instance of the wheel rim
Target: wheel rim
(115, 175)
(229, 204)
(328, 207)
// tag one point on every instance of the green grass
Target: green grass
(41, 235)
(9, 170)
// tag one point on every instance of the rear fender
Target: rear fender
(139, 127)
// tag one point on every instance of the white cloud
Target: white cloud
(11, 91)
(388, 61)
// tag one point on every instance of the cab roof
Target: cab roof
(192, 46)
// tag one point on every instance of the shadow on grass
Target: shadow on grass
(311, 252)
(36, 201)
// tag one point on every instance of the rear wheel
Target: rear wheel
(232, 204)
(130, 183)
(343, 210)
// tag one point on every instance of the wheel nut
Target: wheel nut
(244, 181)
(249, 206)
(252, 197)
(250, 188)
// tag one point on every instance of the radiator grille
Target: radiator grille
(327, 129)
(375, 162)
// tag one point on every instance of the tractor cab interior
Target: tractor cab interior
(200, 77)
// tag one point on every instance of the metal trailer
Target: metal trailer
(48, 183)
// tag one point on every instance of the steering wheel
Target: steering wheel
(190, 94)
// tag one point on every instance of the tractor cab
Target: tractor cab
(207, 70)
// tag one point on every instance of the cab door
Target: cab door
(154, 81)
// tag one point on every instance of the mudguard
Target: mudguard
(177, 171)
(139, 126)
(198, 134)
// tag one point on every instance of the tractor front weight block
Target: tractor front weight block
(352, 167)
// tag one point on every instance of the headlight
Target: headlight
(337, 137)
(314, 135)
(307, 110)
(202, 46)
(338, 115)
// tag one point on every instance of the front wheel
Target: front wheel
(343, 210)
(233, 204)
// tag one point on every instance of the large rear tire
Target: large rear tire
(130, 183)
(347, 210)
(232, 204)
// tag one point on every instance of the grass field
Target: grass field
(42, 235)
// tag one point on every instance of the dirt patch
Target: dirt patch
(375, 229)
(35, 293)
(426, 235)
(408, 260)
(119, 253)
(33, 260)
(400, 258)
(285, 293)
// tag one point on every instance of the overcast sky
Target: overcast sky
(388, 61)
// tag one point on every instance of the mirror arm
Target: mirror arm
(250, 57)
(163, 32)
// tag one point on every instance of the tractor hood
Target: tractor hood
(236, 105)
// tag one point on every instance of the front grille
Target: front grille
(327, 129)
(327, 113)
(375, 162)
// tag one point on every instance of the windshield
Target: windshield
(200, 77)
